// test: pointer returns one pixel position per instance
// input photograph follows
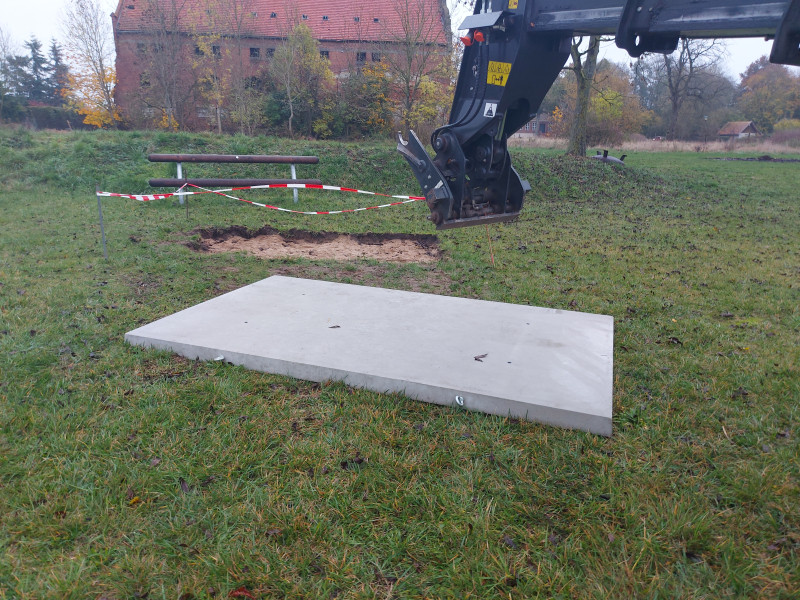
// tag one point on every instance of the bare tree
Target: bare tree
(6, 50)
(682, 71)
(90, 46)
(416, 54)
(584, 66)
(166, 85)
(235, 19)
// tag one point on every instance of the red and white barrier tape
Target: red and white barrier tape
(310, 186)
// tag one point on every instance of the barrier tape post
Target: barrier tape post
(179, 170)
(102, 229)
(294, 176)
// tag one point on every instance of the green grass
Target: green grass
(127, 473)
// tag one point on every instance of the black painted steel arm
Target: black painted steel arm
(514, 51)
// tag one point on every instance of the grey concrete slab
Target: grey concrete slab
(539, 364)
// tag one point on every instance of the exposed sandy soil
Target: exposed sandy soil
(269, 243)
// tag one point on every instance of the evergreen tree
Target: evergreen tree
(17, 75)
(57, 80)
(37, 72)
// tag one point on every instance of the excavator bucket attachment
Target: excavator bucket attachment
(438, 195)
(455, 200)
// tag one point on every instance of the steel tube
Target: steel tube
(233, 158)
(167, 182)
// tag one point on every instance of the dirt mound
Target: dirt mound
(764, 158)
(270, 243)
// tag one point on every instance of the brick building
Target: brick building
(163, 47)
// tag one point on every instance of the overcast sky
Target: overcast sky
(25, 18)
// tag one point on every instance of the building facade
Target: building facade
(172, 54)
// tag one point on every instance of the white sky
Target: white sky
(25, 18)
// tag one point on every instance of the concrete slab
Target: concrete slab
(539, 364)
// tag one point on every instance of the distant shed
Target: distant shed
(737, 130)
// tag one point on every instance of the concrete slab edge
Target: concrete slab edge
(596, 424)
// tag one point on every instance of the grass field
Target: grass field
(127, 473)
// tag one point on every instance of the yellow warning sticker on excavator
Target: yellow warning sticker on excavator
(512, 4)
(498, 73)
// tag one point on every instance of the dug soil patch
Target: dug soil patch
(270, 243)
(764, 158)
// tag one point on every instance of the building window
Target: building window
(255, 53)
(361, 58)
(324, 17)
(216, 51)
(376, 57)
(324, 53)
(273, 15)
(356, 19)
(198, 51)
(376, 20)
(141, 48)
(305, 17)
(270, 52)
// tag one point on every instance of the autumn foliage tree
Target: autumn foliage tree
(90, 48)
(302, 80)
(366, 108)
(418, 62)
(212, 73)
(594, 102)
(614, 109)
(769, 94)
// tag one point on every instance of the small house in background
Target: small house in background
(737, 130)
(538, 126)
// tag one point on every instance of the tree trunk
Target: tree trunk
(584, 74)
(675, 109)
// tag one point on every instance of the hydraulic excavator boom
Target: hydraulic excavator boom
(514, 51)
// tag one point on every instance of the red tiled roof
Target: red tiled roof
(346, 20)
(737, 128)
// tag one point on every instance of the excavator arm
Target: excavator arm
(514, 51)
